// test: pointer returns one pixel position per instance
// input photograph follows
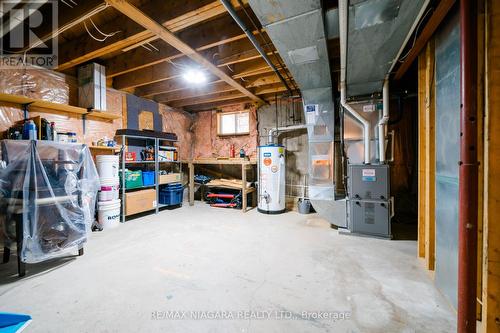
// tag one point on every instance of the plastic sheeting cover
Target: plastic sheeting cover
(36, 83)
(51, 188)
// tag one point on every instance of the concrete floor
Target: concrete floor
(222, 263)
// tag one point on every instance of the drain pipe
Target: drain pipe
(343, 5)
(382, 124)
(274, 131)
(230, 9)
(468, 170)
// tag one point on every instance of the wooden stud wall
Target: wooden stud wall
(421, 154)
(426, 157)
(430, 158)
(491, 193)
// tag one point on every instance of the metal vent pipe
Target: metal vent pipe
(343, 7)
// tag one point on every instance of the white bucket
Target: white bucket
(109, 190)
(109, 214)
(107, 166)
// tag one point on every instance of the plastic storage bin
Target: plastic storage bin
(133, 179)
(171, 195)
(148, 178)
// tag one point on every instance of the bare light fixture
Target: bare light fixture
(195, 76)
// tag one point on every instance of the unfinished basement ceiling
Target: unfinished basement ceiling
(139, 62)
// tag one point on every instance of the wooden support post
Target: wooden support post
(421, 154)
(430, 159)
(191, 183)
(491, 227)
(480, 150)
(244, 186)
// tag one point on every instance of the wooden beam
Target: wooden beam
(491, 227)
(216, 88)
(67, 18)
(201, 37)
(422, 65)
(481, 69)
(157, 79)
(263, 80)
(204, 13)
(429, 29)
(215, 105)
(84, 49)
(430, 159)
(194, 92)
(163, 33)
(275, 88)
(160, 72)
(241, 70)
(208, 99)
(157, 73)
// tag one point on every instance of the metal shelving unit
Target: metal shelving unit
(156, 162)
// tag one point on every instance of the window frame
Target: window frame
(219, 119)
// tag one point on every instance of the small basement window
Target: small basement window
(235, 123)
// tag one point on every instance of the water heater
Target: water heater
(271, 174)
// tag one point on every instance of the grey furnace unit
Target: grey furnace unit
(369, 203)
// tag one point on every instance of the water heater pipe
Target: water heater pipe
(278, 130)
(343, 6)
(383, 121)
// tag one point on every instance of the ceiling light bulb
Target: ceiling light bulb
(195, 76)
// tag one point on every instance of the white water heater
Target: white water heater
(271, 174)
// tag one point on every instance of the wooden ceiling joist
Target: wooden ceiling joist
(84, 49)
(208, 99)
(263, 80)
(194, 92)
(202, 37)
(275, 88)
(215, 105)
(167, 70)
(262, 87)
(68, 18)
(163, 87)
(157, 29)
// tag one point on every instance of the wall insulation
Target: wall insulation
(447, 155)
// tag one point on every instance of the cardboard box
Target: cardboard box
(140, 201)
(170, 178)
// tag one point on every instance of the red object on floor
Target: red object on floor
(224, 205)
(222, 196)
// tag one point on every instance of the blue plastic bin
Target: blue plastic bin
(171, 194)
(148, 178)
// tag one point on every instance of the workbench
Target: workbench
(244, 164)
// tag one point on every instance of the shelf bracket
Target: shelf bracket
(84, 119)
(26, 110)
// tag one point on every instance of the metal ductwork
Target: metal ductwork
(297, 29)
(376, 30)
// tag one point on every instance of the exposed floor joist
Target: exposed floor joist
(169, 69)
(154, 27)
(263, 87)
(85, 49)
(207, 35)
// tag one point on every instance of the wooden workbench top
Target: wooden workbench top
(228, 161)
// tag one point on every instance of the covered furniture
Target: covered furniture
(47, 199)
